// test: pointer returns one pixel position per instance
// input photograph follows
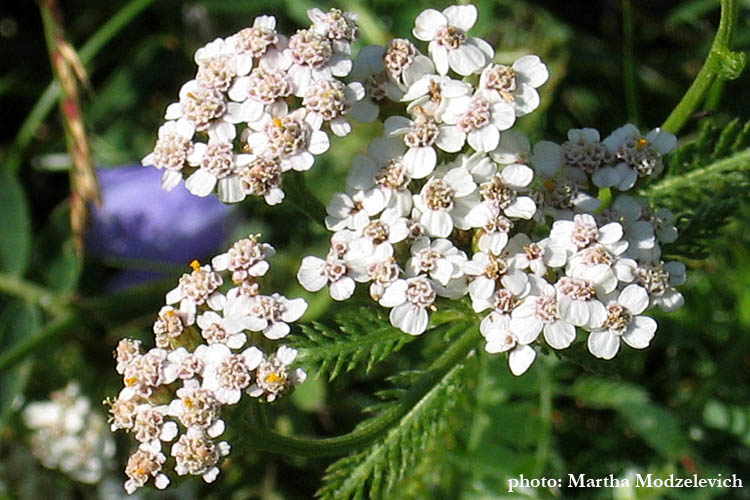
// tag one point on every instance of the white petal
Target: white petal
(427, 23)
(640, 332)
(560, 334)
(466, 59)
(200, 183)
(603, 344)
(420, 161)
(461, 16)
(485, 139)
(394, 294)
(294, 309)
(634, 298)
(440, 57)
(342, 289)
(276, 331)
(450, 138)
(520, 359)
(531, 70)
(524, 208)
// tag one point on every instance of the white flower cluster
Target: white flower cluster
(520, 231)
(203, 360)
(68, 435)
(257, 106)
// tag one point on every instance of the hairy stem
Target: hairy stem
(265, 438)
(721, 61)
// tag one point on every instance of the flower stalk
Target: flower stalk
(721, 62)
(69, 72)
(265, 438)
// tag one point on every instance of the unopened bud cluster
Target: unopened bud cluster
(204, 360)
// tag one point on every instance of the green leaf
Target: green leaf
(603, 393)
(17, 321)
(364, 336)
(374, 471)
(729, 418)
(15, 225)
(707, 180)
(659, 428)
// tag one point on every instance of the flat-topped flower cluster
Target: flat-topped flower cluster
(70, 435)
(204, 359)
(257, 108)
(451, 202)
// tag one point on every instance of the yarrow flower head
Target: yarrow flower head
(450, 210)
(175, 393)
(69, 435)
(517, 227)
(256, 108)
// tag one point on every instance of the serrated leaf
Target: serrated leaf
(363, 337)
(15, 225)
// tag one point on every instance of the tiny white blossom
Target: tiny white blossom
(449, 46)
(382, 177)
(226, 374)
(438, 258)
(271, 314)
(274, 377)
(636, 156)
(500, 338)
(516, 84)
(624, 324)
(445, 200)
(173, 147)
(409, 299)
(491, 271)
(539, 311)
(478, 121)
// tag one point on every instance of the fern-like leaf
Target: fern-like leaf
(362, 336)
(373, 472)
(707, 180)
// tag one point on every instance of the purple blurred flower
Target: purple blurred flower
(138, 220)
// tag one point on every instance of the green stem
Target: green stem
(628, 61)
(671, 183)
(717, 63)
(545, 414)
(298, 194)
(32, 293)
(19, 351)
(49, 97)
(266, 439)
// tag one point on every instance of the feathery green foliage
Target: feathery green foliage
(373, 472)
(362, 336)
(707, 180)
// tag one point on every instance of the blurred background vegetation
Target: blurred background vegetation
(681, 406)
